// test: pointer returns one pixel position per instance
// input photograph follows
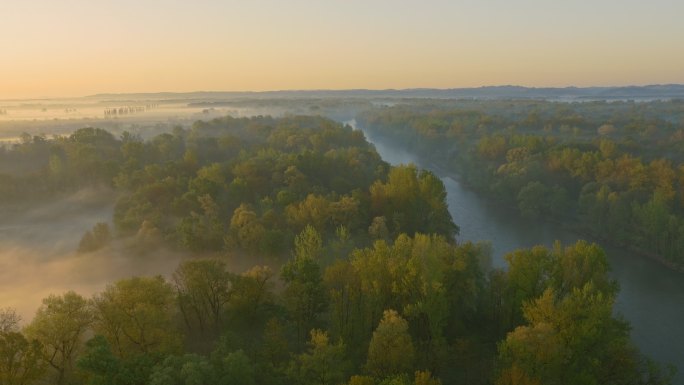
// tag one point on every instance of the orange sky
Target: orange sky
(79, 47)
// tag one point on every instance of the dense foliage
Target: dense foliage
(246, 185)
(615, 170)
(418, 310)
(364, 281)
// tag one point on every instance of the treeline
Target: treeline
(128, 110)
(616, 170)
(419, 310)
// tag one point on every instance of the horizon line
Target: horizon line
(304, 90)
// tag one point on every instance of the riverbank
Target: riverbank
(568, 224)
(650, 294)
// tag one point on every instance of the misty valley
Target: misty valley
(363, 238)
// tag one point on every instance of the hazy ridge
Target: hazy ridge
(654, 91)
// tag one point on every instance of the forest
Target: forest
(612, 170)
(352, 271)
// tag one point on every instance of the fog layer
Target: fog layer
(38, 254)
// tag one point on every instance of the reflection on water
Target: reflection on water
(651, 296)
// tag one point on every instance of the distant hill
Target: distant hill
(665, 91)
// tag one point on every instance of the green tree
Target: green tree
(136, 316)
(246, 231)
(528, 275)
(274, 349)
(252, 296)
(9, 320)
(413, 201)
(20, 359)
(95, 239)
(426, 378)
(577, 265)
(203, 231)
(572, 339)
(391, 350)
(235, 368)
(105, 368)
(361, 380)
(304, 294)
(378, 229)
(189, 369)
(532, 200)
(60, 325)
(323, 363)
(203, 287)
(314, 211)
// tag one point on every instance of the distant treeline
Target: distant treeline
(128, 110)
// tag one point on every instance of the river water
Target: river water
(651, 296)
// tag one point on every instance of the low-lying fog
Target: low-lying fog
(38, 244)
(38, 252)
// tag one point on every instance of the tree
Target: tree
(235, 368)
(308, 244)
(203, 231)
(210, 180)
(304, 295)
(577, 265)
(572, 339)
(345, 299)
(20, 359)
(105, 368)
(313, 211)
(101, 233)
(378, 229)
(425, 378)
(9, 320)
(569, 335)
(250, 296)
(361, 380)
(59, 325)
(413, 201)
(136, 316)
(345, 212)
(391, 350)
(203, 289)
(275, 347)
(192, 369)
(606, 129)
(528, 275)
(95, 239)
(188, 369)
(245, 229)
(322, 364)
(532, 200)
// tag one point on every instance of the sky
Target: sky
(80, 47)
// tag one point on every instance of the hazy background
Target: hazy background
(80, 47)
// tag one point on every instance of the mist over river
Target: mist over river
(651, 296)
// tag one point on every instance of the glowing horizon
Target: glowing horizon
(77, 48)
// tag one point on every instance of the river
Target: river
(651, 296)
